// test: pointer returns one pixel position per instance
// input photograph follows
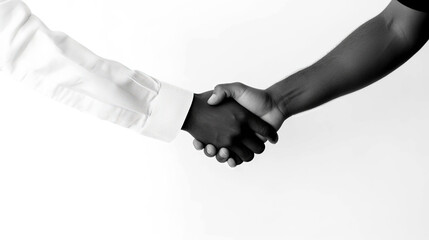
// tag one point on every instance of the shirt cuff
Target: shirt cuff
(168, 112)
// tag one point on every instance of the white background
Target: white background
(356, 168)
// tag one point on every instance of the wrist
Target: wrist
(188, 120)
(294, 94)
(279, 103)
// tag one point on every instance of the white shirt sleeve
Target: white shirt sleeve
(61, 68)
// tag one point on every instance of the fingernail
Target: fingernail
(212, 99)
(231, 163)
(223, 153)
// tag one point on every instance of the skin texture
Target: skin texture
(371, 52)
(228, 125)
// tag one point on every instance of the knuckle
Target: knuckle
(239, 84)
(240, 116)
(237, 131)
(218, 88)
(234, 130)
(221, 87)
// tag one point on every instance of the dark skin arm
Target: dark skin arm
(371, 52)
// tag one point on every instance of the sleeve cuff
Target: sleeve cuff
(168, 112)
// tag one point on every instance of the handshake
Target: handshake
(233, 122)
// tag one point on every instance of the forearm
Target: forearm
(371, 52)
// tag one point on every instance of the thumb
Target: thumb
(222, 91)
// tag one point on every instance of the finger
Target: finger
(216, 98)
(198, 145)
(238, 161)
(210, 150)
(264, 129)
(253, 143)
(264, 139)
(231, 162)
(223, 155)
(234, 160)
(222, 91)
(242, 153)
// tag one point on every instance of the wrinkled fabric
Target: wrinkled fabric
(59, 67)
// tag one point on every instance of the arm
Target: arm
(59, 67)
(371, 52)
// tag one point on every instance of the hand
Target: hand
(259, 102)
(228, 125)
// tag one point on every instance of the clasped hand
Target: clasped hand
(233, 122)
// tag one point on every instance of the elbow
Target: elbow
(396, 29)
(406, 26)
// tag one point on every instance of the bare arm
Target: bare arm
(371, 52)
